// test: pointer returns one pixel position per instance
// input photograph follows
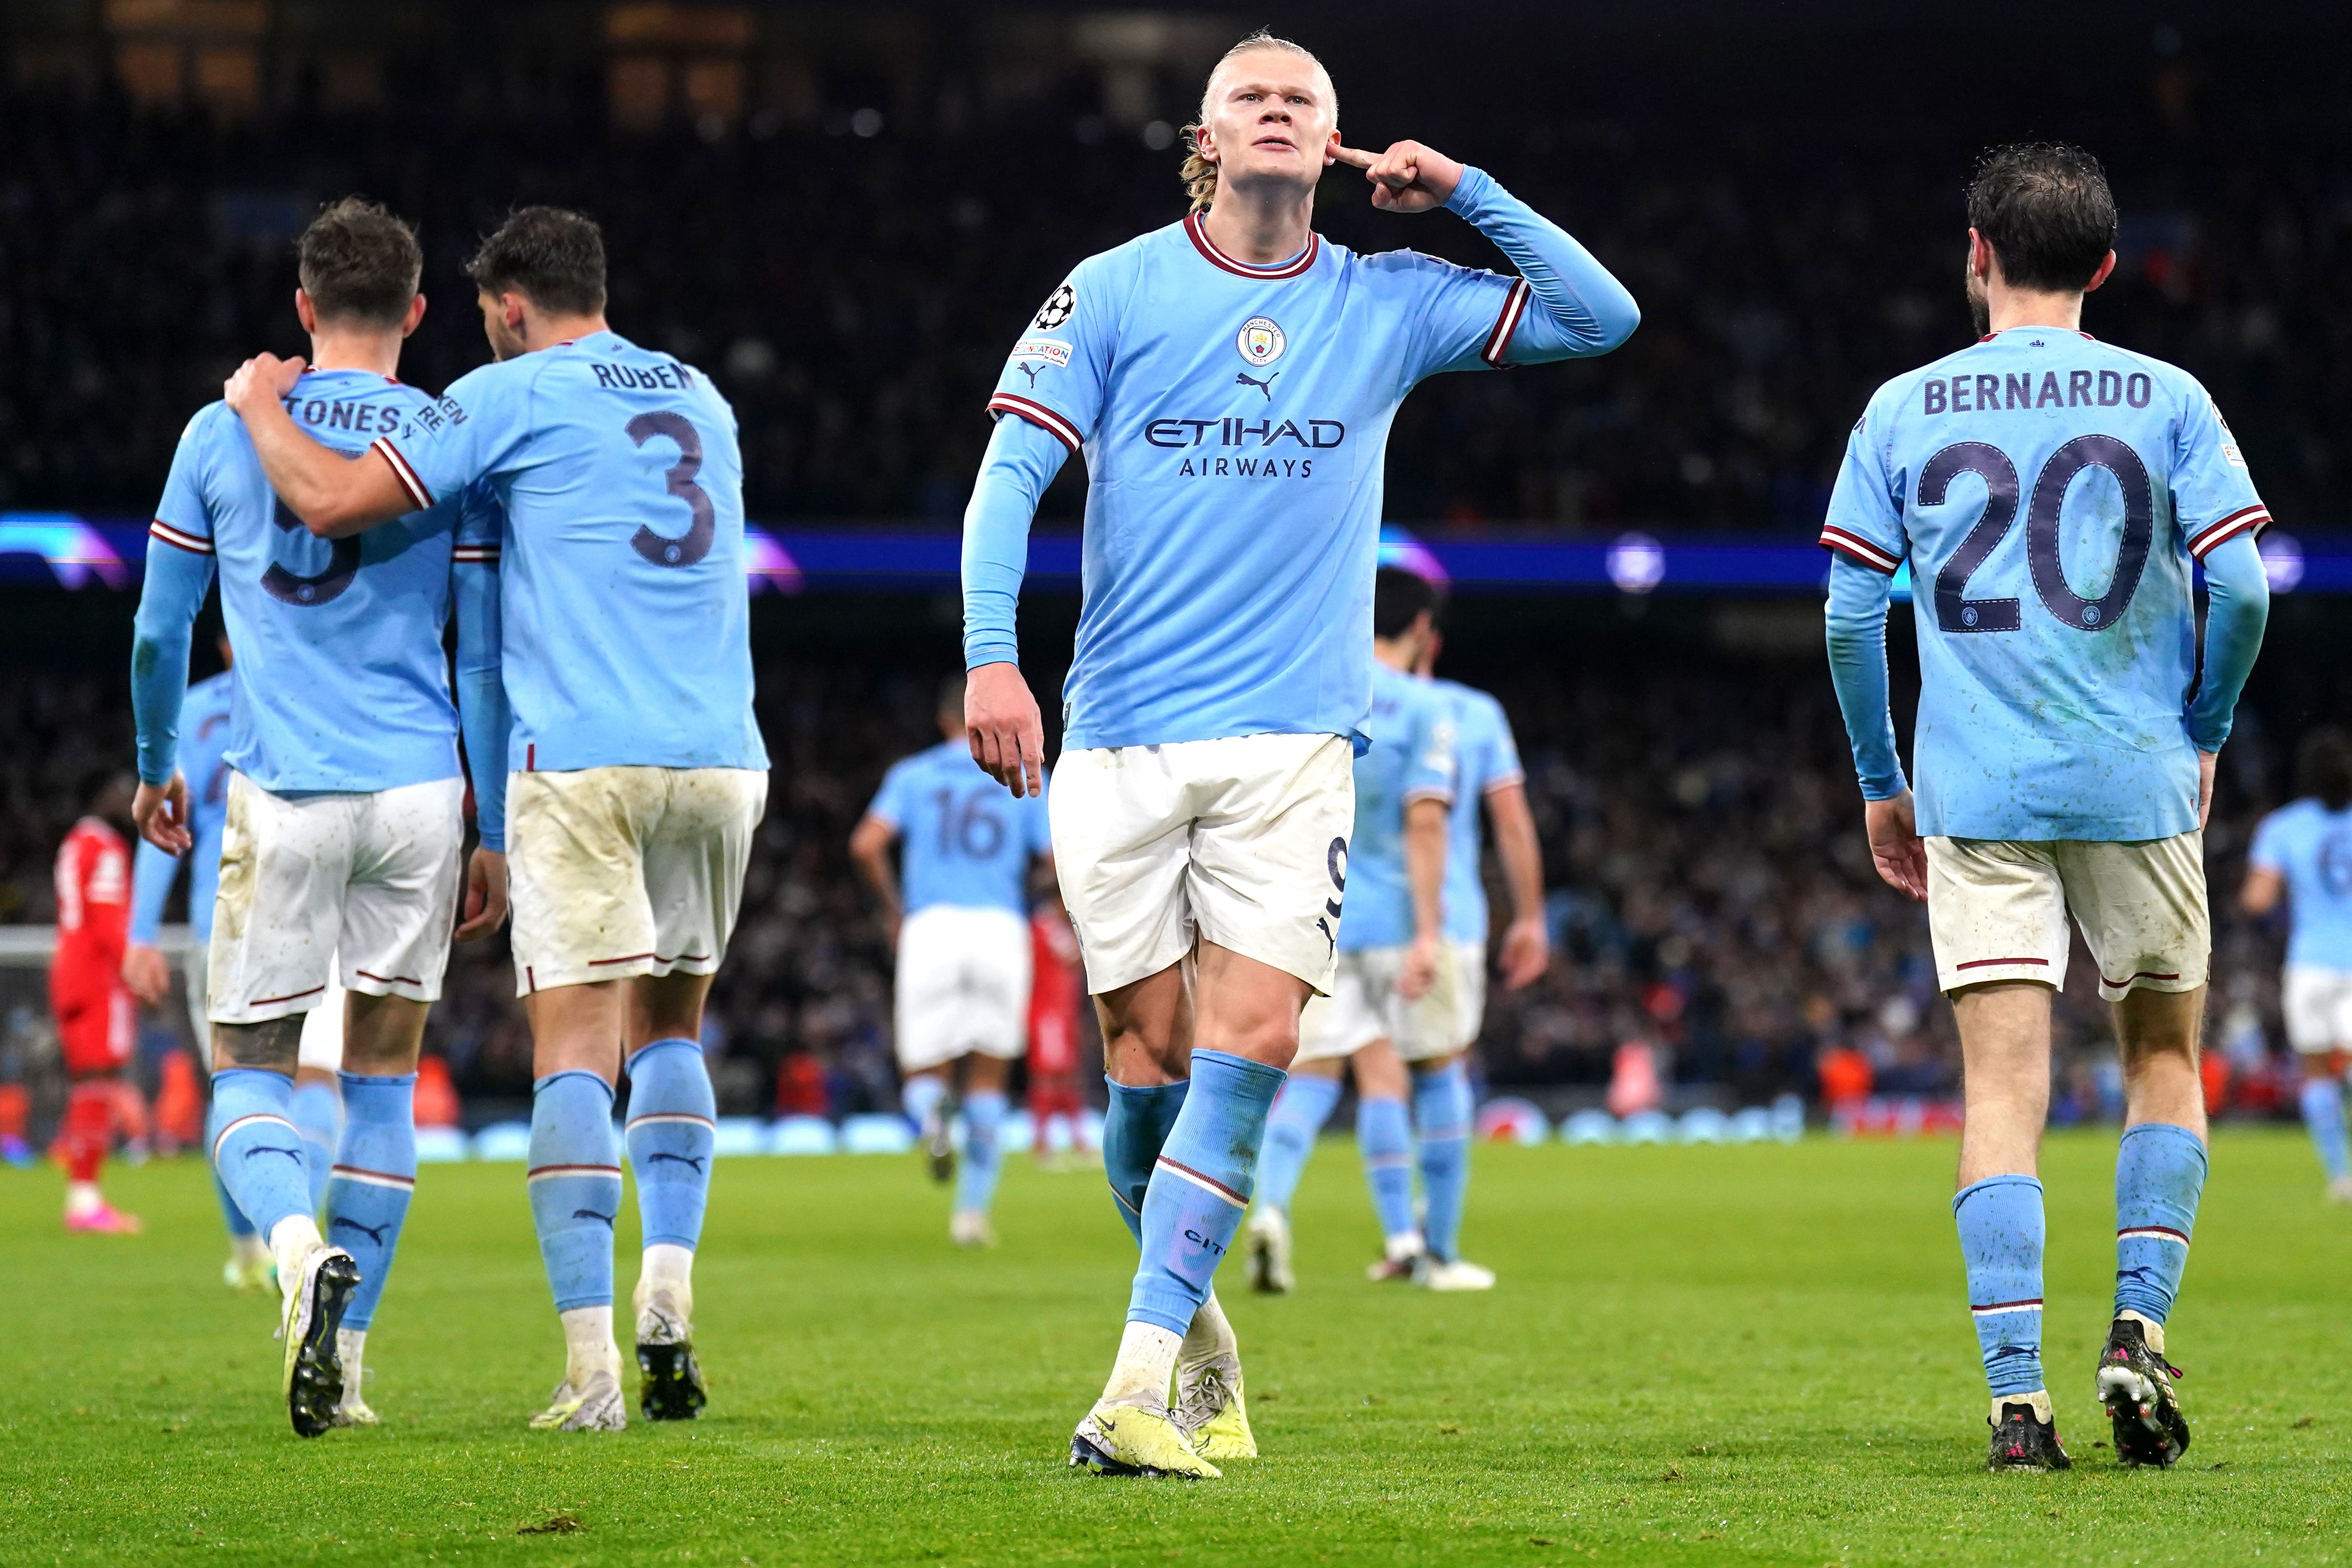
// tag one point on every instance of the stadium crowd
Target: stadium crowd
(853, 293)
(1709, 896)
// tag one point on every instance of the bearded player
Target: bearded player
(2051, 494)
(1230, 381)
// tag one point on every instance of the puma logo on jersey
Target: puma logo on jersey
(1027, 368)
(1242, 378)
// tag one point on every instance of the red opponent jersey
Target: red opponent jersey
(94, 903)
(1054, 996)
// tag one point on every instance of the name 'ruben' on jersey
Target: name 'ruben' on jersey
(2050, 493)
(1411, 759)
(1234, 421)
(627, 624)
(964, 842)
(340, 681)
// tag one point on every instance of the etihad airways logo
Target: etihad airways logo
(1316, 435)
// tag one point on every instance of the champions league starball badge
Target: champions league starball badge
(1058, 307)
(1261, 342)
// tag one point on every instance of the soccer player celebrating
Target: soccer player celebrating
(1393, 1002)
(640, 775)
(2303, 853)
(1230, 379)
(94, 1019)
(961, 928)
(2051, 495)
(340, 857)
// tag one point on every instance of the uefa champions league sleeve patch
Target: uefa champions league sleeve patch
(1059, 307)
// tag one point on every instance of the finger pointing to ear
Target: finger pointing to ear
(1355, 157)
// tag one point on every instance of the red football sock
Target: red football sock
(88, 1121)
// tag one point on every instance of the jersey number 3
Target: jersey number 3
(1955, 612)
(695, 543)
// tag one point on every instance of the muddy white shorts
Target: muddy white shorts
(2317, 1002)
(962, 985)
(1241, 841)
(617, 871)
(1364, 1006)
(1997, 910)
(1469, 959)
(359, 889)
(322, 1032)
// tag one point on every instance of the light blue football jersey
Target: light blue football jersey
(963, 839)
(341, 682)
(2311, 847)
(1486, 758)
(625, 610)
(1411, 759)
(204, 727)
(2050, 493)
(1234, 424)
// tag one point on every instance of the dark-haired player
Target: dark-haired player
(340, 853)
(2301, 853)
(639, 772)
(2051, 494)
(1230, 379)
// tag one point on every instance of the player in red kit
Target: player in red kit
(93, 1007)
(1053, 1089)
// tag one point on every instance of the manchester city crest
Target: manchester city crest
(1261, 342)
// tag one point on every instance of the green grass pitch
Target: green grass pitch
(1754, 1354)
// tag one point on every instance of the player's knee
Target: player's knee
(273, 1045)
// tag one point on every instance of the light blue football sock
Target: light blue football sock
(1200, 1185)
(672, 1134)
(919, 1097)
(2000, 1241)
(375, 1173)
(257, 1153)
(1441, 1128)
(2323, 1113)
(1297, 1120)
(1135, 1129)
(984, 1161)
(318, 1115)
(2159, 1172)
(240, 1226)
(1384, 1136)
(575, 1185)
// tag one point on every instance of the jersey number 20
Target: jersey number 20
(695, 543)
(1955, 612)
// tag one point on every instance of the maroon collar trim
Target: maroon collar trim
(1199, 234)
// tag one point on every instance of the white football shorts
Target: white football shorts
(1364, 1006)
(356, 888)
(194, 962)
(1469, 991)
(1241, 841)
(2317, 1002)
(962, 986)
(322, 1032)
(618, 871)
(1997, 911)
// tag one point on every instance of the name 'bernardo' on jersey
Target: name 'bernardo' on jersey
(1983, 393)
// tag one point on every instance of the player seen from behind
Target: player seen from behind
(1230, 381)
(2301, 853)
(339, 852)
(2051, 495)
(1392, 1010)
(960, 921)
(639, 775)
